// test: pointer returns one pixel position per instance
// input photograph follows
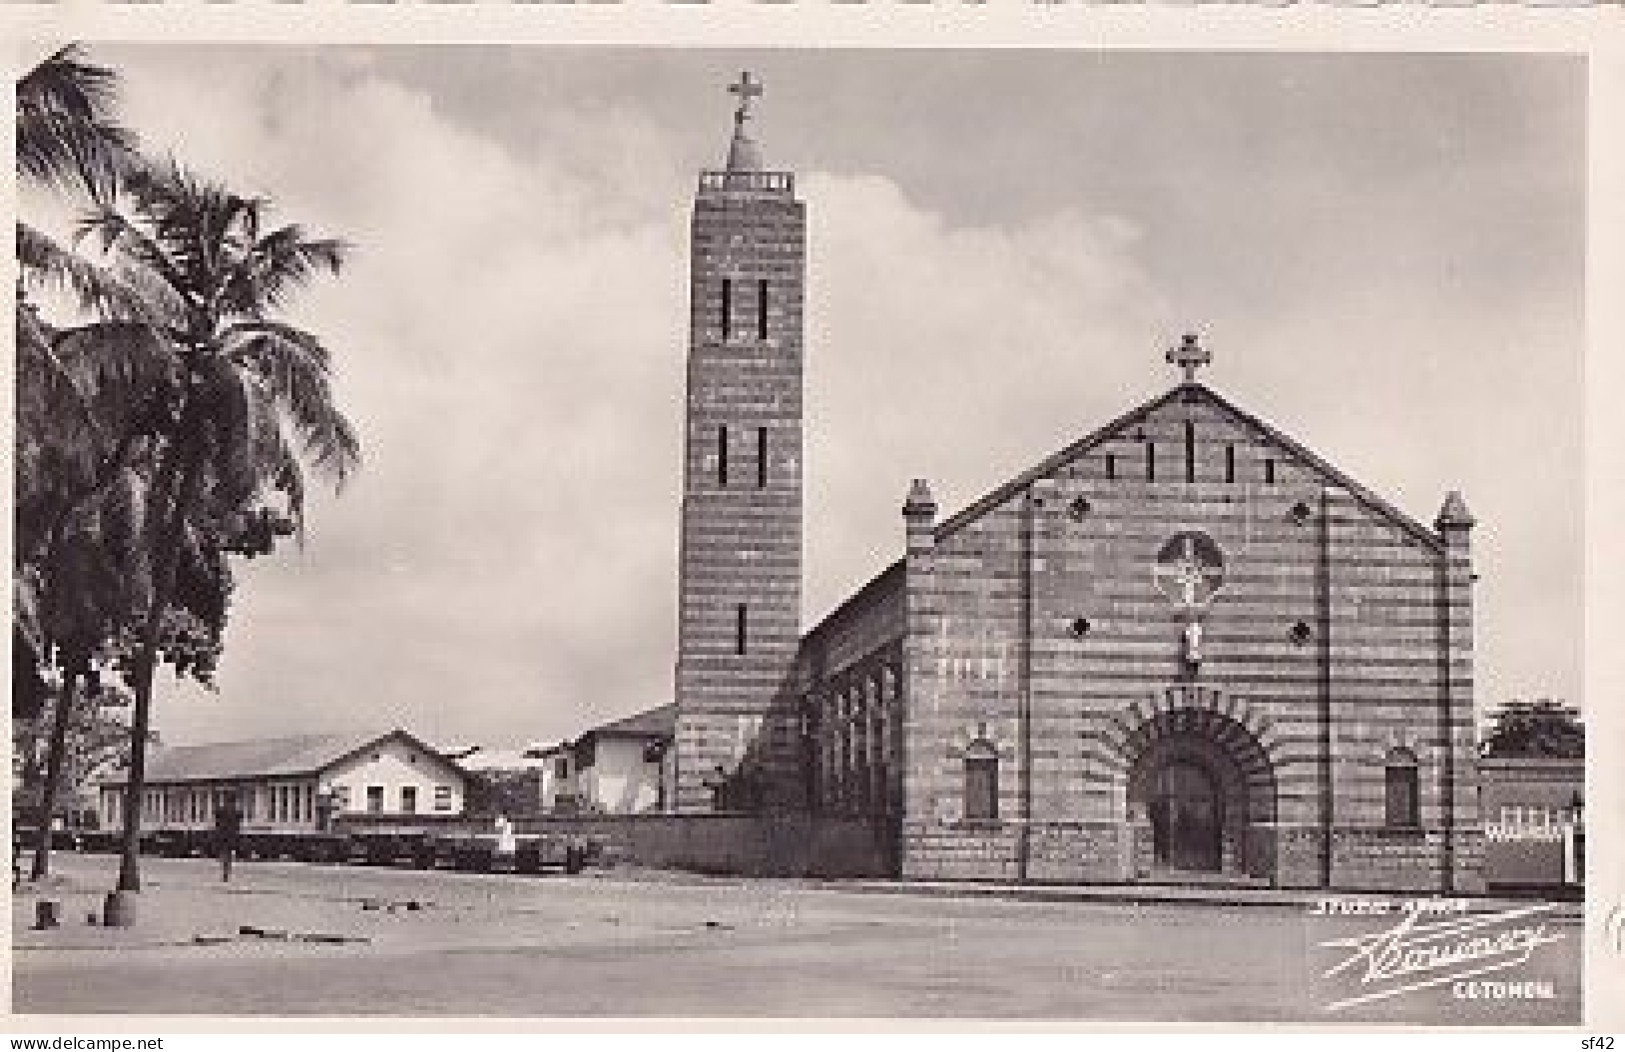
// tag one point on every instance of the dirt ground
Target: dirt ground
(619, 945)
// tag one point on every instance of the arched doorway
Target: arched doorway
(1187, 817)
(1201, 796)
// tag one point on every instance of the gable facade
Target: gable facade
(1262, 717)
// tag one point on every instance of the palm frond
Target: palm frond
(278, 265)
(115, 234)
(185, 217)
(121, 363)
(291, 368)
(66, 132)
(111, 293)
(57, 437)
(278, 462)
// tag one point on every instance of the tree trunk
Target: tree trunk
(168, 551)
(72, 676)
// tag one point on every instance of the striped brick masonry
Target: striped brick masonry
(739, 619)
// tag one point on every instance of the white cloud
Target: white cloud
(510, 340)
(957, 354)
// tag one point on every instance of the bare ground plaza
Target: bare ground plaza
(646, 945)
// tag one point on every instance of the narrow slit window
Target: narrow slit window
(761, 309)
(1269, 470)
(727, 306)
(1151, 462)
(1190, 451)
(1111, 465)
(761, 457)
(722, 455)
(1230, 463)
(740, 624)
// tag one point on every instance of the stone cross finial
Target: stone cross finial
(746, 89)
(1190, 356)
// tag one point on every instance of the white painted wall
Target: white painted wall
(556, 784)
(291, 803)
(393, 765)
(282, 803)
(620, 780)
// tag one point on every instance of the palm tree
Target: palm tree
(67, 141)
(237, 400)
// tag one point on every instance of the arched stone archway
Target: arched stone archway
(1200, 795)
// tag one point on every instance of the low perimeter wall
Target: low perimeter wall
(773, 845)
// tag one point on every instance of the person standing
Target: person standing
(228, 826)
(507, 845)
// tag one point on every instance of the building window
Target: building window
(1230, 463)
(761, 457)
(740, 619)
(1269, 470)
(727, 307)
(761, 309)
(1190, 451)
(981, 782)
(409, 799)
(561, 769)
(1111, 466)
(442, 798)
(722, 455)
(375, 799)
(1151, 462)
(1403, 802)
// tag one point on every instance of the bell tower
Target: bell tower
(739, 561)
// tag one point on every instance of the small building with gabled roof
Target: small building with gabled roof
(301, 782)
(625, 766)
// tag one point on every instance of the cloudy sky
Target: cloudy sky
(1383, 252)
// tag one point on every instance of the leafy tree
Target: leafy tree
(1543, 728)
(161, 435)
(236, 401)
(68, 143)
(95, 742)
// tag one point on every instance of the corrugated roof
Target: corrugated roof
(262, 758)
(656, 723)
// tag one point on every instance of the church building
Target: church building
(1184, 648)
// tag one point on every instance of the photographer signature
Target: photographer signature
(1414, 955)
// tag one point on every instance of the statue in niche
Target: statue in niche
(1192, 637)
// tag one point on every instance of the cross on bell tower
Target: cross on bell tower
(743, 153)
(746, 89)
(1190, 356)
